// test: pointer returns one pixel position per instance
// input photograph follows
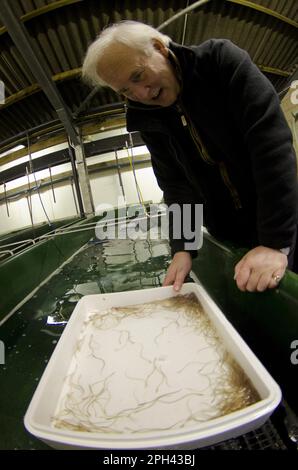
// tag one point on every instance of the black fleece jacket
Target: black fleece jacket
(235, 155)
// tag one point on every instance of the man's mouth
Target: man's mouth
(157, 94)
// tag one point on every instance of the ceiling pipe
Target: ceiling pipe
(181, 13)
(86, 102)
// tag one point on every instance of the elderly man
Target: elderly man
(213, 125)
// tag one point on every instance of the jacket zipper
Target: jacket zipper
(196, 138)
(226, 179)
(207, 159)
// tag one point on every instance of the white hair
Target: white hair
(138, 36)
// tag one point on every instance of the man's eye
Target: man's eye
(137, 77)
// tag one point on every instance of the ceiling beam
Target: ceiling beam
(274, 71)
(42, 11)
(98, 115)
(267, 11)
(38, 66)
(88, 129)
(30, 90)
(107, 146)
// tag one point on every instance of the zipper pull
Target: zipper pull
(183, 120)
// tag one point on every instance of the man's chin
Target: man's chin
(166, 101)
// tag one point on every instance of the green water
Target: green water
(32, 333)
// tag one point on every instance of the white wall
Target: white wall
(19, 215)
(105, 189)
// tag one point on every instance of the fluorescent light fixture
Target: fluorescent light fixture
(14, 149)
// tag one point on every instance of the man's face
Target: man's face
(148, 80)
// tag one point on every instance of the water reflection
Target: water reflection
(109, 266)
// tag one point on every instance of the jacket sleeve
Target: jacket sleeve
(176, 190)
(257, 114)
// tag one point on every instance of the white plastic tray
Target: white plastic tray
(150, 378)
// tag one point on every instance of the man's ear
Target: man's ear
(160, 47)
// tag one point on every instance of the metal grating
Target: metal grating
(264, 438)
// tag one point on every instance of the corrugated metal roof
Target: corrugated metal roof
(60, 31)
(284, 7)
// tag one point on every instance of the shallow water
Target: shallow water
(111, 266)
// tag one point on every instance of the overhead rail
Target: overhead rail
(26, 241)
(266, 11)
(20, 245)
(6, 251)
(66, 230)
(111, 223)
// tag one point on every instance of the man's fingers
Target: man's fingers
(180, 276)
(253, 280)
(242, 277)
(238, 267)
(260, 269)
(169, 279)
(176, 278)
(276, 278)
(178, 270)
(265, 282)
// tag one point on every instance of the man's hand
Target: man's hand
(178, 270)
(260, 269)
